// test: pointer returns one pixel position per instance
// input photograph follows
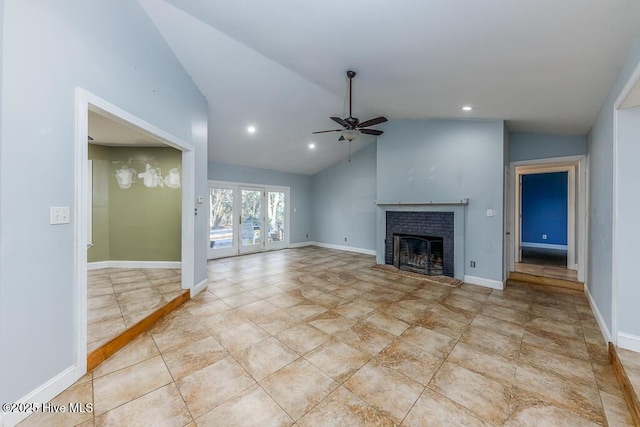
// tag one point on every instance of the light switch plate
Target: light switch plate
(60, 215)
(489, 212)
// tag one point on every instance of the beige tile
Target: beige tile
(528, 411)
(616, 410)
(163, 406)
(504, 313)
(631, 363)
(394, 399)
(137, 294)
(354, 310)
(221, 322)
(237, 339)
(488, 364)
(336, 359)
(276, 321)
(209, 387)
(143, 304)
(177, 329)
(462, 302)
(568, 330)
(101, 301)
(574, 370)
(265, 358)
(433, 409)
(503, 345)
(78, 393)
(139, 350)
(462, 385)
(343, 408)
(105, 329)
(192, 357)
(408, 310)
(256, 310)
(103, 313)
(428, 340)
(409, 360)
(581, 400)
(443, 324)
(252, 407)
(331, 322)
(365, 338)
(306, 311)
(298, 387)
(556, 343)
(554, 313)
(303, 338)
(122, 386)
(386, 323)
(498, 326)
(206, 309)
(606, 379)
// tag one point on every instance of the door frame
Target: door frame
(576, 221)
(236, 186)
(249, 249)
(86, 101)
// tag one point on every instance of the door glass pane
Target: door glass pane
(275, 216)
(251, 218)
(221, 218)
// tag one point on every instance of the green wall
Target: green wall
(138, 223)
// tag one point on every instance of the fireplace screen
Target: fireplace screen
(418, 254)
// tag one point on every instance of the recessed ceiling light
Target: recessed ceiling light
(312, 146)
(251, 129)
(467, 108)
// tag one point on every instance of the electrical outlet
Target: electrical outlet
(307, 235)
(345, 239)
(473, 264)
(544, 237)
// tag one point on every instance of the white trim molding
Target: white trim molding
(481, 281)
(301, 244)
(629, 342)
(596, 313)
(345, 248)
(543, 246)
(199, 288)
(42, 394)
(133, 264)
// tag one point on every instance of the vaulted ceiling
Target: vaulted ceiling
(544, 66)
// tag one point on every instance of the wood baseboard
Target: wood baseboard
(627, 389)
(102, 353)
(547, 281)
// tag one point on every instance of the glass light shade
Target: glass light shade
(350, 134)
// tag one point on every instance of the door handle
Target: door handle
(508, 233)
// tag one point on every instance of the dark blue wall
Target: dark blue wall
(544, 208)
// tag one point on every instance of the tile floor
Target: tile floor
(630, 361)
(120, 297)
(315, 337)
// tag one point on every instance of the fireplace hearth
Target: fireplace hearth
(419, 254)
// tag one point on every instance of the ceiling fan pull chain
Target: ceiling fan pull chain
(349, 151)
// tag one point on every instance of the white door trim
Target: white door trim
(86, 101)
(571, 164)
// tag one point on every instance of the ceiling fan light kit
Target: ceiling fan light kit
(351, 126)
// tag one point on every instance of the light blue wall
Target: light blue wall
(544, 208)
(600, 159)
(112, 50)
(534, 146)
(301, 212)
(628, 234)
(343, 201)
(448, 160)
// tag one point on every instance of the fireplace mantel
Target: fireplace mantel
(461, 202)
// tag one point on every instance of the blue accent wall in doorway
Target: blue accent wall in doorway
(544, 208)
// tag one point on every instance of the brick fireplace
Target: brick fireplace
(421, 242)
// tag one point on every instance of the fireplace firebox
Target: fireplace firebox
(419, 254)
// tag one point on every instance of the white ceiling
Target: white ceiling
(112, 132)
(542, 65)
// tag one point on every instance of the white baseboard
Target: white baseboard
(596, 313)
(345, 248)
(543, 246)
(97, 265)
(133, 264)
(301, 244)
(481, 281)
(198, 288)
(629, 342)
(42, 394)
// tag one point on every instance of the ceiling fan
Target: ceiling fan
(352, 126)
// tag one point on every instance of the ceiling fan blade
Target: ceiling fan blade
(341, 138)
(372, 122)
(340, 121)
(325, 131)
(371, 132)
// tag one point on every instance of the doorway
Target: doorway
(247, 218)
(87, 103)
(549, 215)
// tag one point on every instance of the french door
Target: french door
(247, 218)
